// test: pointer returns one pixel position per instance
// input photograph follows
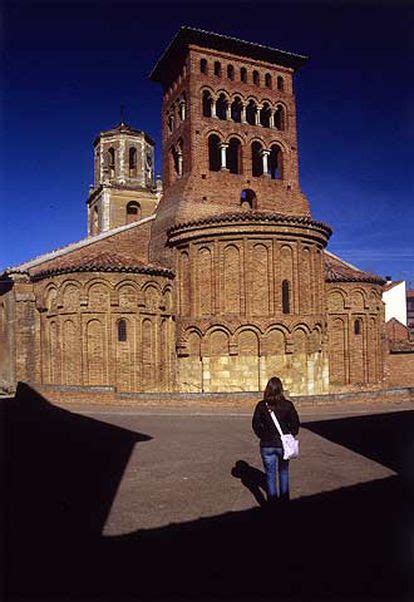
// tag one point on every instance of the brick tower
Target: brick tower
(124, 187)
(233, 222)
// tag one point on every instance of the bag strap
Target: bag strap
(275, 420)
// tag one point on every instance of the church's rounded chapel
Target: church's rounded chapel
(213, 282)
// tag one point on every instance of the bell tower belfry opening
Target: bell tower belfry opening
(124, 188)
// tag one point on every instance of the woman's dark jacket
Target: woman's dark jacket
(265, 428)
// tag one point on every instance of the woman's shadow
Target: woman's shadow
(252, 478)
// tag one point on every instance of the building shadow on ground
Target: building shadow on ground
(62, 474)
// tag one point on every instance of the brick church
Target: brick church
(212, 281)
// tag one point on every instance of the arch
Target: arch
(133, 212)
(260, 290)
(230, 72)
(274, 342)
(357, 299)
(185, 283)
(50, 296)
(217, 68)
(217, 340)
(111, 161)
(232, 279)
(70, 295)
(214, 153)
(299, 337)
(265, 115)
(121, 327)
(194, 344)
(54, 353)
(268, 81)
(286, 302)
(279, 118)
(207, 103)
(243, 75)
(98, 296)
(203, 66)
(280, 83)
(257, 162)
(276, 162)
(236, 109)
(337, 346)
(128, 295)
(251, 112)
(182, 107)
(248, 199)
(234, 156)
(256, 78)
(152, 297)
(221, 107)
(132, 161)
(71, 355)
(96, 364)
(205, 280)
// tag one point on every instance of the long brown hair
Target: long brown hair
(273, 393)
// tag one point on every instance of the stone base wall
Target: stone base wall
(400, 369)
(301, 374)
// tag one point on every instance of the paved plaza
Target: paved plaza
(138, 503)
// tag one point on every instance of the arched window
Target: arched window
(111, 161)
(357, 326)
(234, 162)
(182, 108)
(265, 115)
(133, 212)
(95, 221)
(257, 161)
(177, 158)
(236, 109)
(268, 80)
(280, 83)
(170, 120)
(221, 107)
(207, 103)
(230, 72)
(214, 153)
(122, 331)
(217, 68)
(285, 297)
(251, 112)
(280, 118)
(256, 78)
(248, 199)
(276, 162)
(132, 161)
(243, 75)
(203, 66)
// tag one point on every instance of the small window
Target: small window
(357, 327)
(133, 212)
(217, 68)
(285, 297)
(203, 66)
(243, 75)
(248, 199)
(280, 83)
(132, 161)
(122, 331)
(256, 78)
(268, 80)
(230, 72)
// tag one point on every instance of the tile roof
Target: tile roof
(338, 270)
(104, 261)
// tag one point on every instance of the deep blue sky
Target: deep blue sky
(68, 67)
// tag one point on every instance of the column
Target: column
(243, 113)
(257, 118)
(272, 119)
(213, 107)
(223, 156)
(228, 111)
(265, 157)
(179, 164)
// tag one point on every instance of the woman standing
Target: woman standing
(271, 448)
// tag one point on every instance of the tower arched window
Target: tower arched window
(207, 103)
(177, 158)
(214, 153)
(203, 66)
(111, 161)
(234, 159)
(256, 78)
(122, 330)
(230, 72)
(133, 212)
(285, 297)
(276, 162)
(248, 199)
(171, 121)
(243, 75)
(217, 68)
(265, 113)
(280, 83)
(221, 107)
(95, 221)
(236, 109)
(268, 80)
(132, 161)
(257, 162)
(182, 106)
(280, 118)
(357, 326)
(251, 112)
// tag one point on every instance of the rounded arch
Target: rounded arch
(299, 325)
(268, 81)
(280, 117)
(280, 83)
(230, 72)
(132, 161)
(257, 162)
(276, 162)
(98, 280)
(203, 66)
(127, 282)
(133, 212)
(337, 299)
(234, 155)
(248, 199)
(222, 104)
(236, 109)
(214, 161)
(243, 75)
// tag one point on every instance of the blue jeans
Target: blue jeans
(273, 462)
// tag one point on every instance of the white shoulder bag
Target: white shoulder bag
(289, 442)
